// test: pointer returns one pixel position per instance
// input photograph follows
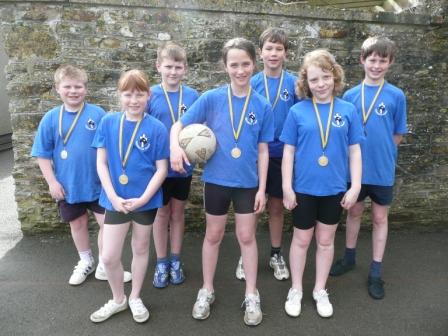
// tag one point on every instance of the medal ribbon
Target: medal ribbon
(120, 141)
(72, 126)
(365, 116)
(170, 107)
(236, 134)
(279, 88)
(324, 137)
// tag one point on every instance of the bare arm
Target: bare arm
(398, 138)
(263, 162)
(351, 195)
(289, 196)
(177, 154)
(56, 189)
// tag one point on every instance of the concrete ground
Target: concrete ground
(36, 299)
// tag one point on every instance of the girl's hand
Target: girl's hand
(133, 204)
(350, 198)
(57, 191)
(119, 204)
(177, 159)
(289, 199)
(260, 202)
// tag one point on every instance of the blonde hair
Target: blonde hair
(172, 51)
(68, 71)
(323, 59)
(133, 80)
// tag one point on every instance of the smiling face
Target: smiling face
(133, 103)
(240, 67)
(375, 68)
(273, 54)
(320, 83)
(172, 73)
(72, 93)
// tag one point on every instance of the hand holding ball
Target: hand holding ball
(198, 142)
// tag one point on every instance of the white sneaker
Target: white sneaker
(278, 264)
(81, 271)
(239, 272)
(293, 304)
(139, 311)
(109, 309)
(323, 305)
(252, 314)
(201, 308)
(100, 274)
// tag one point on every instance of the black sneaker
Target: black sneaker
(341, 267)
(376, 287)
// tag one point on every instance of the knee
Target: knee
(110, 260)
(246, 238)
(140, 247)
(177, 217)
(379, 220)
(325, 243)
(301, 243)
(213, 237)
(79, 224)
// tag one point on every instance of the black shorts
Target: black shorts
(309, 209)
(70, 212)
(381, 195)
(274, 179)
(176, 187)
(217, 199)
(141, 217)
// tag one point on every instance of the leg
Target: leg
(80, 233)
(353, 224)
(297, 255)
(379, 230)
(140, 254)
(324, 253)
(275, 209)
(161, 231)
(100, 220)
(177, 225)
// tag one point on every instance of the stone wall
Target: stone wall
(107, 37)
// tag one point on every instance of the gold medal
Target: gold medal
(235, 152)
(123, 179)
(323, 161)
(64, 154)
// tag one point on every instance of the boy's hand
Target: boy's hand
(350, 198)
(119, 204)
(177, 159)
(289, 199)
(260, 202)
(57, 191)
(133, 204)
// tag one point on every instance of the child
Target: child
(277, 85)
(68, 164)
(383, 110)
(321, 136)
(168, 102)
(132, 152)
(243, 125)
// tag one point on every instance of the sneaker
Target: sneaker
(100, 274)
(161, 275)
(139, 311)
(81, 271)
(340, 267)
(252, 314)
(278, 264)
(176, 272)
(239, 272)
(293, 304)
(376, 287)
(109, 309)
(323, 305)
(201, 308)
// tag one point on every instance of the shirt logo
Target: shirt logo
(381, 110)
(90, 125)
(142, 143)
(338, 121)
(183, 109)
(251, 119)
(285, 95)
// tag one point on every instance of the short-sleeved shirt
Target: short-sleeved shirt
(258, 127)
(286, 100)
(150, 144)
(388, 118)
(158, 108)
(302, 131)
(77, 173)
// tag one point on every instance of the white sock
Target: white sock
(86, 255)
(100, 261)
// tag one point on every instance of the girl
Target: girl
(321, 136)
(132, 164)
(243, 124)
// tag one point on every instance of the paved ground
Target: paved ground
(37, 300)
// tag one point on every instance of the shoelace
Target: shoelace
(138, 307)
(202, 299)
(322, 297)
(294, 296)
(104, 310)
(251, 304)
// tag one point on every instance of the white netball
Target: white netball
(198, 142)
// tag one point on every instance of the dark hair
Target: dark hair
(239, 43)
(274, 35)
(380, 45)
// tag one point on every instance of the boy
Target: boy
(277, 85)
(68, 163)
(169, 101)
(382, 107)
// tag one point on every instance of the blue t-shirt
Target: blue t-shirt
(150, 145)
(213, 109)
(158, 108)
(77, 173)
(302, 131)
(388, 117)
(286, 99)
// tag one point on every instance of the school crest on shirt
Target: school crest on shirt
(381, 110)
(251, 119)
(142, 142)
(338, 120)
(183, 109)
(285, 95)
(91, 125)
